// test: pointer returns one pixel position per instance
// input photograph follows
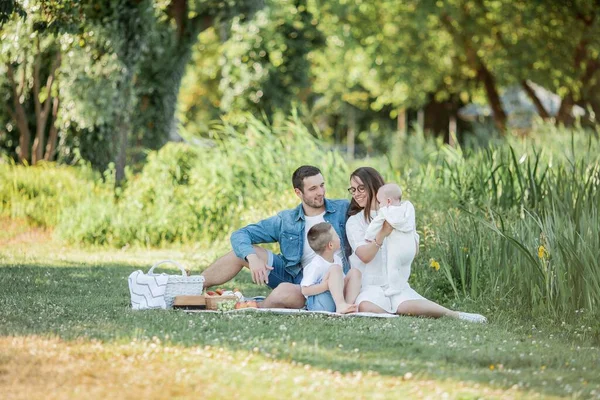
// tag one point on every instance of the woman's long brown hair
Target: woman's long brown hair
(372, 180)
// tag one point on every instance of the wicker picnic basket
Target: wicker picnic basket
(180, 285)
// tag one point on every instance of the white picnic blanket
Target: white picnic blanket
(297, 312)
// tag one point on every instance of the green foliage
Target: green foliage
(202, 193)
(41, 195)
(512, 226)
(261, 64)
(525, 229)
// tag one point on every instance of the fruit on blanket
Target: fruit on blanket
(246, 304)
(211, 293)
(219, 291)
(226, 305)
(251, 304)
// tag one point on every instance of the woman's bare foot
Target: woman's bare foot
(346, 308)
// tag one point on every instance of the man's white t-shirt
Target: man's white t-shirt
(316, 270)
(308, 254)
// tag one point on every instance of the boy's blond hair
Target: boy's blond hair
(319, 237)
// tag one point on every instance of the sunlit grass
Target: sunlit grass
(75, 304)
(50, 368)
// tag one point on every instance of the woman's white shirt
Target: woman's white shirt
(373, 273)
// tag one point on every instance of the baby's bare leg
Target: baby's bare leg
(335, 284)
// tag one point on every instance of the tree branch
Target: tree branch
(536, 101)
(177, 9)
(200, 23)
(20, 117)
(42, 110)
(23, 76)
(55, 64)
(53, 134)
(13, 116)
(483, 73)
(36, 80)
(10, 73)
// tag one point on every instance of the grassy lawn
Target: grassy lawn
(66, 331)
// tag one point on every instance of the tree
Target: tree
(265, 66)
(142, 47)
(31, 58)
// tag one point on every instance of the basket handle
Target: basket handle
(183, 273)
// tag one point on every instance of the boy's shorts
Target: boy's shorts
(279, 274)
(320, 302)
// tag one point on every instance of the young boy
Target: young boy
(323, 278)
(403, 242)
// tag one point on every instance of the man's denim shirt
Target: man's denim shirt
(287, 228)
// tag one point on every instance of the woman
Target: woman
(368, 257)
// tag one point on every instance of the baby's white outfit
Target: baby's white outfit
(401, 244)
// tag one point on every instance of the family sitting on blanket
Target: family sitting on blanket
(382, 248)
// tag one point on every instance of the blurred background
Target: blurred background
(102, 81)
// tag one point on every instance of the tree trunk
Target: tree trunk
(564, 116)
(123, 125)
(40, 120)
(452, 134)
(580, 57)
(42, 110)
(493, 97)
(19, 114)
(421, 119)
(534, 99)
(53, 134)
(351, 133)
(158, 118)
(401, 123)
(483, 73)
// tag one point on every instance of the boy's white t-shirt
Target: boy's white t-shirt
(316, 270)
(308, 254)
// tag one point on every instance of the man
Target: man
(283, 272)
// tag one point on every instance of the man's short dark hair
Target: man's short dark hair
(304, 171)
(319, 237)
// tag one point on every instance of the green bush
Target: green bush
(202, 192)
(525, 233)
(40, 194)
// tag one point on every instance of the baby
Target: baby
(323, 280)
(403, 243)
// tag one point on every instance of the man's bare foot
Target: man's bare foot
(346, 308)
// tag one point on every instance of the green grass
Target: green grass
(514, 228)
(55, 291)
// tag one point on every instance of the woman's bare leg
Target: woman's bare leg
(425, 308)
(367, 306)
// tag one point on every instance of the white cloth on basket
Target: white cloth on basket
(147, 291)
(402, 243)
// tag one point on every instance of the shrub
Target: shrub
(201, 193)
(40, 194)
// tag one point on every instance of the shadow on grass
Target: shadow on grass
(71, 300)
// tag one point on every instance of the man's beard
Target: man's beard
(317, 203)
